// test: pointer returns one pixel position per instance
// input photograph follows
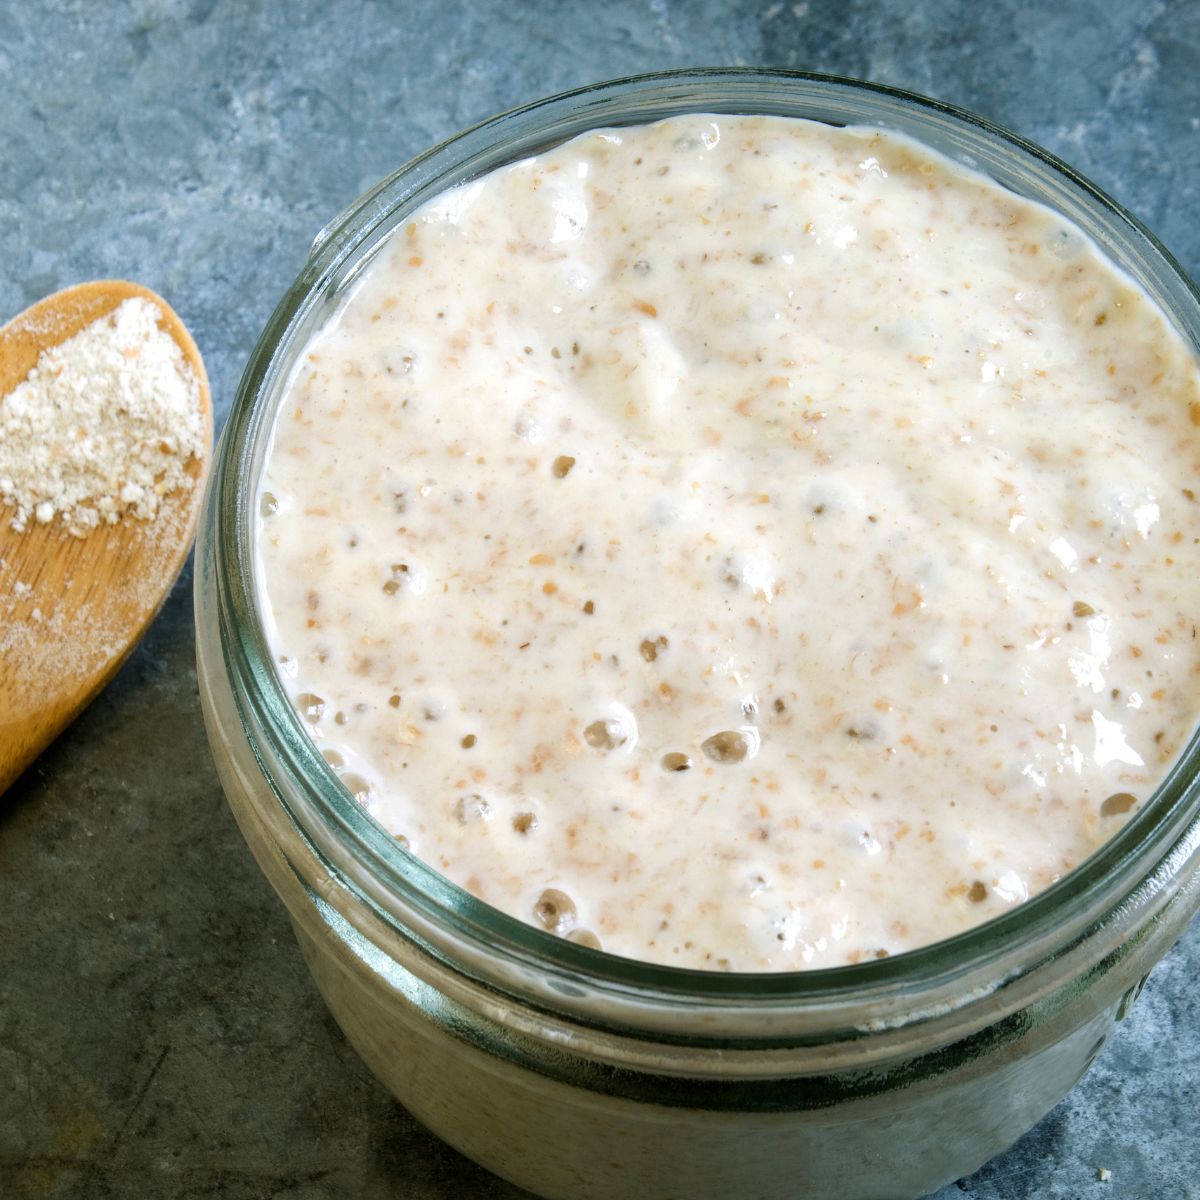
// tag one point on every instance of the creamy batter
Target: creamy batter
(740, 543)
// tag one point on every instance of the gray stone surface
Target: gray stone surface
(158, 1032)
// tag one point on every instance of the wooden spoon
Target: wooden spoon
(71, 608)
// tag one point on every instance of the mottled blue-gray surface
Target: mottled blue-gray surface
(158, 1032)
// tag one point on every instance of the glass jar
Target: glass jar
(578, 1074)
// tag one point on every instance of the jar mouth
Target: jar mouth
(342, 831)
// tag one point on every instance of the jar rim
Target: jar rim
(1032, 931)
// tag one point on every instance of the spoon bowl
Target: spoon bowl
(73, 608)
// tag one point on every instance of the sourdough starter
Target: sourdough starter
(740, 543)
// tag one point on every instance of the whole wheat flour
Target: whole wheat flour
(103, 426)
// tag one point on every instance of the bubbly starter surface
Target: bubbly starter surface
(741, 544)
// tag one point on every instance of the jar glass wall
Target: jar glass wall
(578, 1074)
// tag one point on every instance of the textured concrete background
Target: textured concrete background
(158, 1032)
